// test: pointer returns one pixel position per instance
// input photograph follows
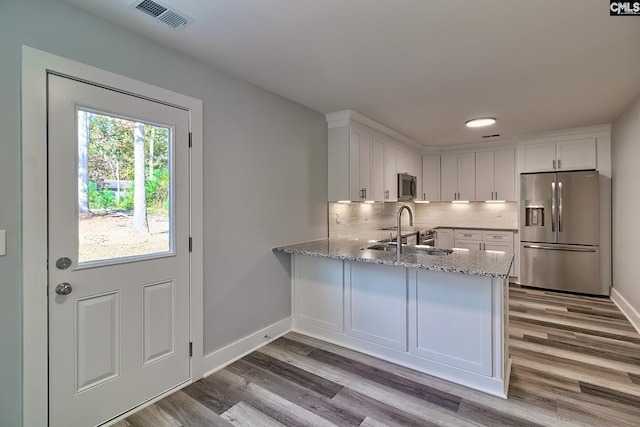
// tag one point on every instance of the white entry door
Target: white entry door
(118, 200)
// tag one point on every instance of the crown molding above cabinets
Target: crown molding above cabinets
(344, 117)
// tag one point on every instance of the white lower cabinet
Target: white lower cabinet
(450, 320)
(449, 325)
(318, 293)
(372, 290)
(444, 238)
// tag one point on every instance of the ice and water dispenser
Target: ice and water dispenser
(534, 214)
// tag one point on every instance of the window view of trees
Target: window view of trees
(123, 188)
(111, 165)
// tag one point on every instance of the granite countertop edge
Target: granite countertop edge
(384, 258)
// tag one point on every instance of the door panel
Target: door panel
(538, 217)
(159, 321)
(578, 208)
(97, 341)
(121, 335)
(572, 268)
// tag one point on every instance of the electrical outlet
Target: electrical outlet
(337, 218)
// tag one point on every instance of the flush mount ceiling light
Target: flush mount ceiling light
(480, 122)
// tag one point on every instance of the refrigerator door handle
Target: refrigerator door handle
(553, 206)
(560, 207)
(560, 248)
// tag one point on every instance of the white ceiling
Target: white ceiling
(420, 67)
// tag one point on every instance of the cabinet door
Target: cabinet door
(539, 157)
(360, 144)
(472, 245)
(444, 238)
(377, 171)
(390, 174)
(365, 165)
(502, 247)
(505, 175)
(449, 177)
(444, 305)
(430, 178)
(467, 176)
(318, 293)
(404, 162)
(467, 239)
(485, 176)
(376, 305)
(576, 154)
(355, 192)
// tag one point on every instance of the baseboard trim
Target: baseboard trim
(237, 350)
(626, 308)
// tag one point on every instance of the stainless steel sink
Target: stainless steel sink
(410, 249)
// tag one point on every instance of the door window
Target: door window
(124, 188)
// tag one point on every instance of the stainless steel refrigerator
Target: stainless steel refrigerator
(560, 231)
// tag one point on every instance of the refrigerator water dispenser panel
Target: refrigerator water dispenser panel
(534, 215)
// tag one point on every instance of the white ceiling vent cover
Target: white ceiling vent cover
(171, 17)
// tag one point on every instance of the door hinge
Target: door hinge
(190, 139)
(190, 349)
(190, 244)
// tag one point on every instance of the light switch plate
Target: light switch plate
(3, 245)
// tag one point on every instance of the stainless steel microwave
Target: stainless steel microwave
(407, 187)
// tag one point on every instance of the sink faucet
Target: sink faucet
(399, 236)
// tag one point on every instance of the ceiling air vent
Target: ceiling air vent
(162, 13)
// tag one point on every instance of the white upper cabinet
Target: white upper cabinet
(390, 174)
(430, 179)
(458, 177)
(377, 170)
(485, 175)
(363, 162)
(495, 175)
(575, 154)
(360, 145)
(356, 164)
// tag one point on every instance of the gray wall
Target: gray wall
(625, 152)
(265, 174)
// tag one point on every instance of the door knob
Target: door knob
(63, 289)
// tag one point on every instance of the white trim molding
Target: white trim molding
(237, 350)
(35, 66)
(626, 308)
(342, 118)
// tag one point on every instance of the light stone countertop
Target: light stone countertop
(472, 262)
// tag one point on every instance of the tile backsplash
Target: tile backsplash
(365, 220)
(473, 214)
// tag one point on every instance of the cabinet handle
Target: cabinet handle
(424, 196)
(554, 164)
(559, 167)
(496, 195)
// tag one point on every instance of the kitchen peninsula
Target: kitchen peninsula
(445, 315)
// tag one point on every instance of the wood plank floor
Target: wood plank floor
(576, 361)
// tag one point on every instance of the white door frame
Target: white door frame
(35, 65)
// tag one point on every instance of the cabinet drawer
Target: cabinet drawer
(497, 236)
(468, 235)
